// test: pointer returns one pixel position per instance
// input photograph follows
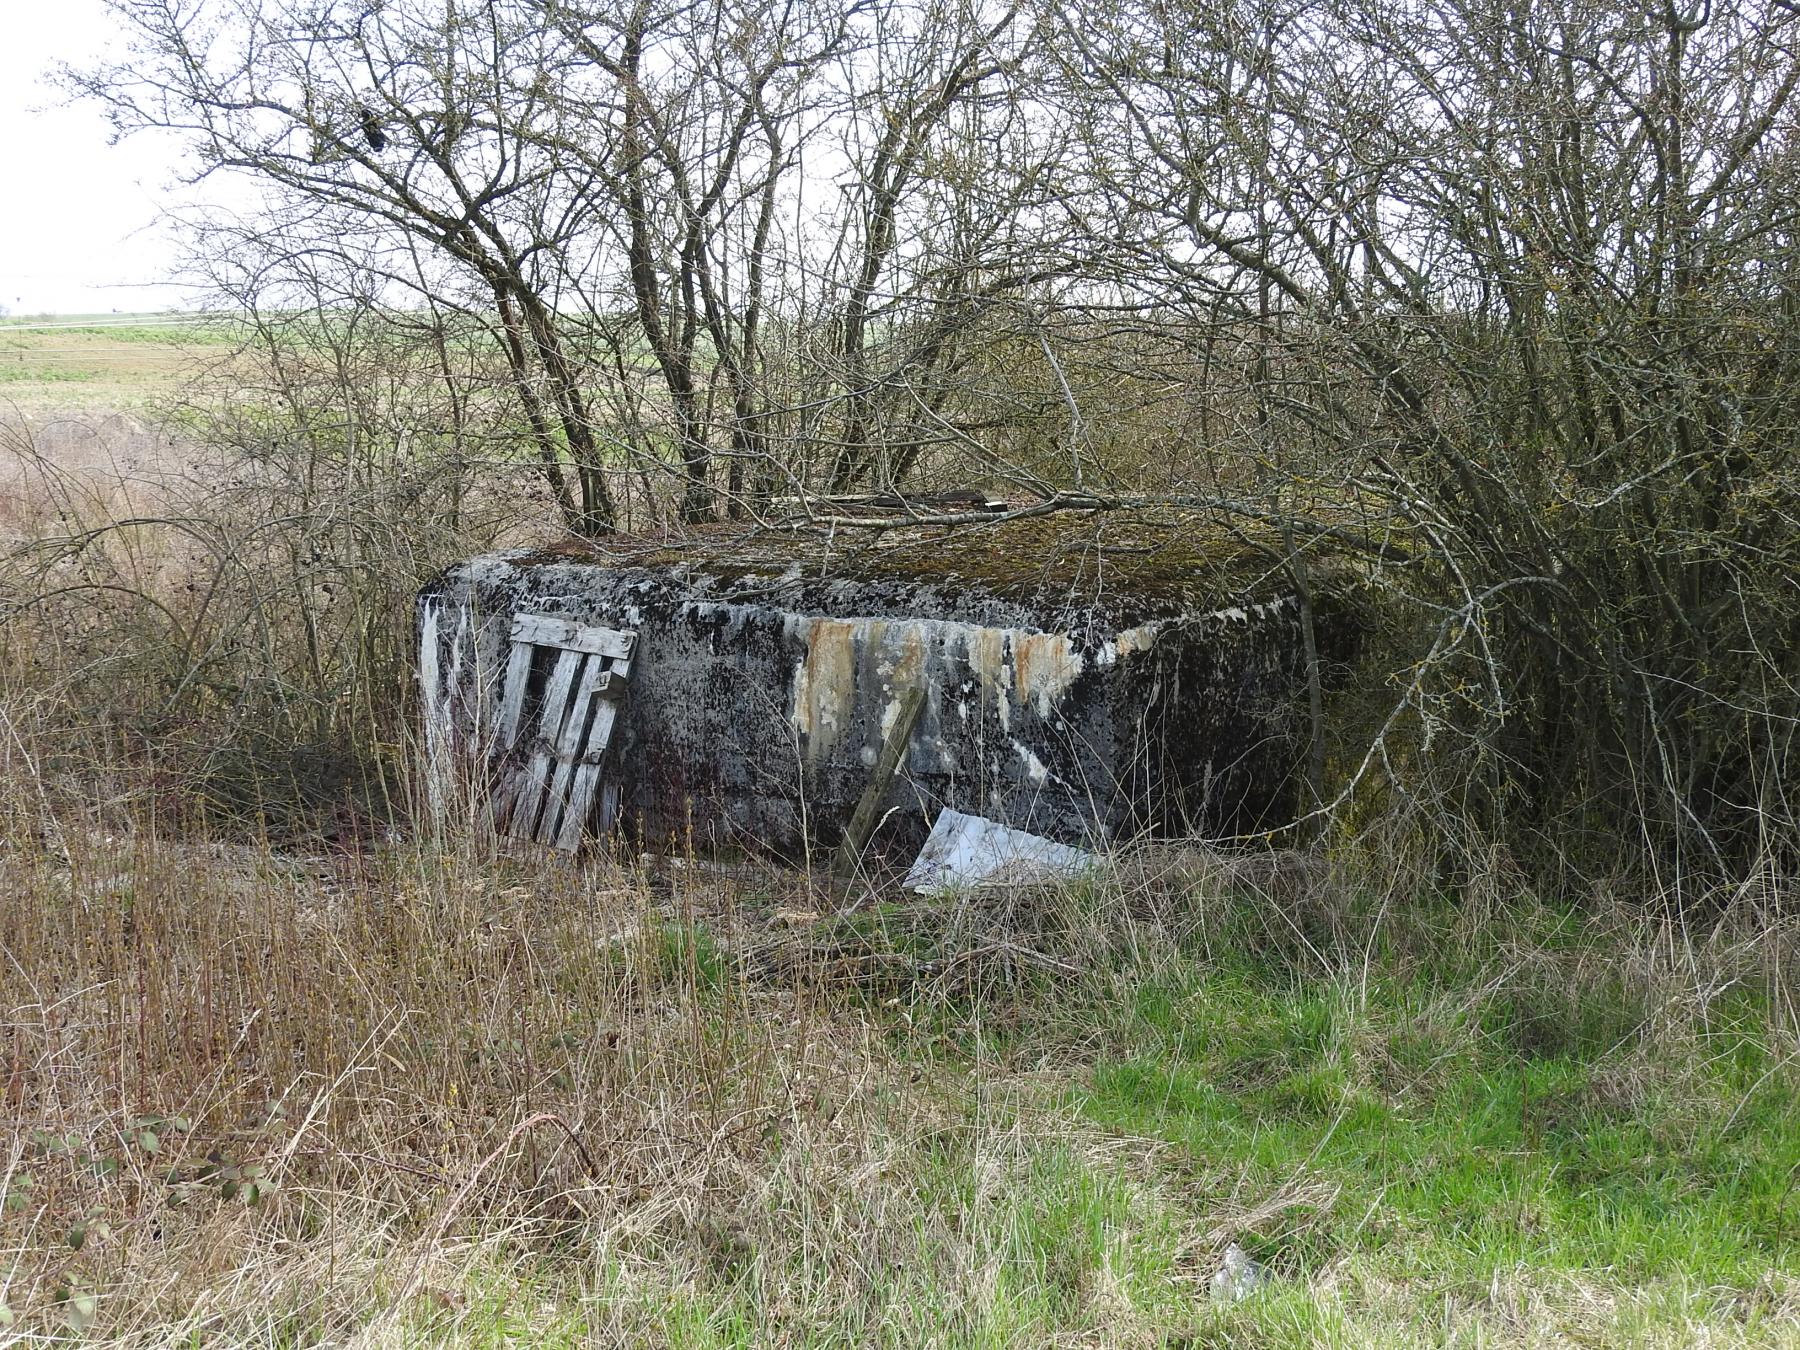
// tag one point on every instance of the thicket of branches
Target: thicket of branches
(1503, 289)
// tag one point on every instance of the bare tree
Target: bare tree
(711, 107)
(402, 128)
(1526, 271)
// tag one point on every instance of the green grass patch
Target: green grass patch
(1550, 1121)
(1434, 1128)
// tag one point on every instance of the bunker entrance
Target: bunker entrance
(559, 700)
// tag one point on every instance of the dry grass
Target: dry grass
(257, 1097)
(440, 1095)
(222, 602)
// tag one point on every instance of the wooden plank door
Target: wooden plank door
(559, 703)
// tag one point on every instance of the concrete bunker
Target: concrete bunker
(1085, 680)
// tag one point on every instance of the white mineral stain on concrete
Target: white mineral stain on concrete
(1139, 639)
(1015, 669)
(1034, 767)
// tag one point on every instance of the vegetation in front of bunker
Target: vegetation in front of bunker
(1562, 436)
(457, 1097)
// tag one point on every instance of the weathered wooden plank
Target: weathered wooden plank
(435, 700)
(556, 707)
(569, 741)
(581, 794)
(548, 793)
(518, 802)
(592, 765)
(543, 631)
(893, 750)
(512, 695)
(429, 680)
(513, 684)
(609, 805)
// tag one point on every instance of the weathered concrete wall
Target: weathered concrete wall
(759, 701)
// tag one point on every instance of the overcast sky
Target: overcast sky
(79, 228)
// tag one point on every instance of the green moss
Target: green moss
(1146, 565)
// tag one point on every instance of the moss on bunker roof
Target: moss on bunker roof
(1131, 567)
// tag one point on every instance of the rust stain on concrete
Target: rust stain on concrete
(1045, 664)
(826, 686)
(904, 667)
(987, 658)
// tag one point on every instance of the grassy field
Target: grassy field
(113, 363)
(374, 1085)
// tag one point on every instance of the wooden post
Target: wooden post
(893, 750)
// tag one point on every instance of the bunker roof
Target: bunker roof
(1092, 570)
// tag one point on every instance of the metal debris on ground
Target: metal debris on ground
(965, 851)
